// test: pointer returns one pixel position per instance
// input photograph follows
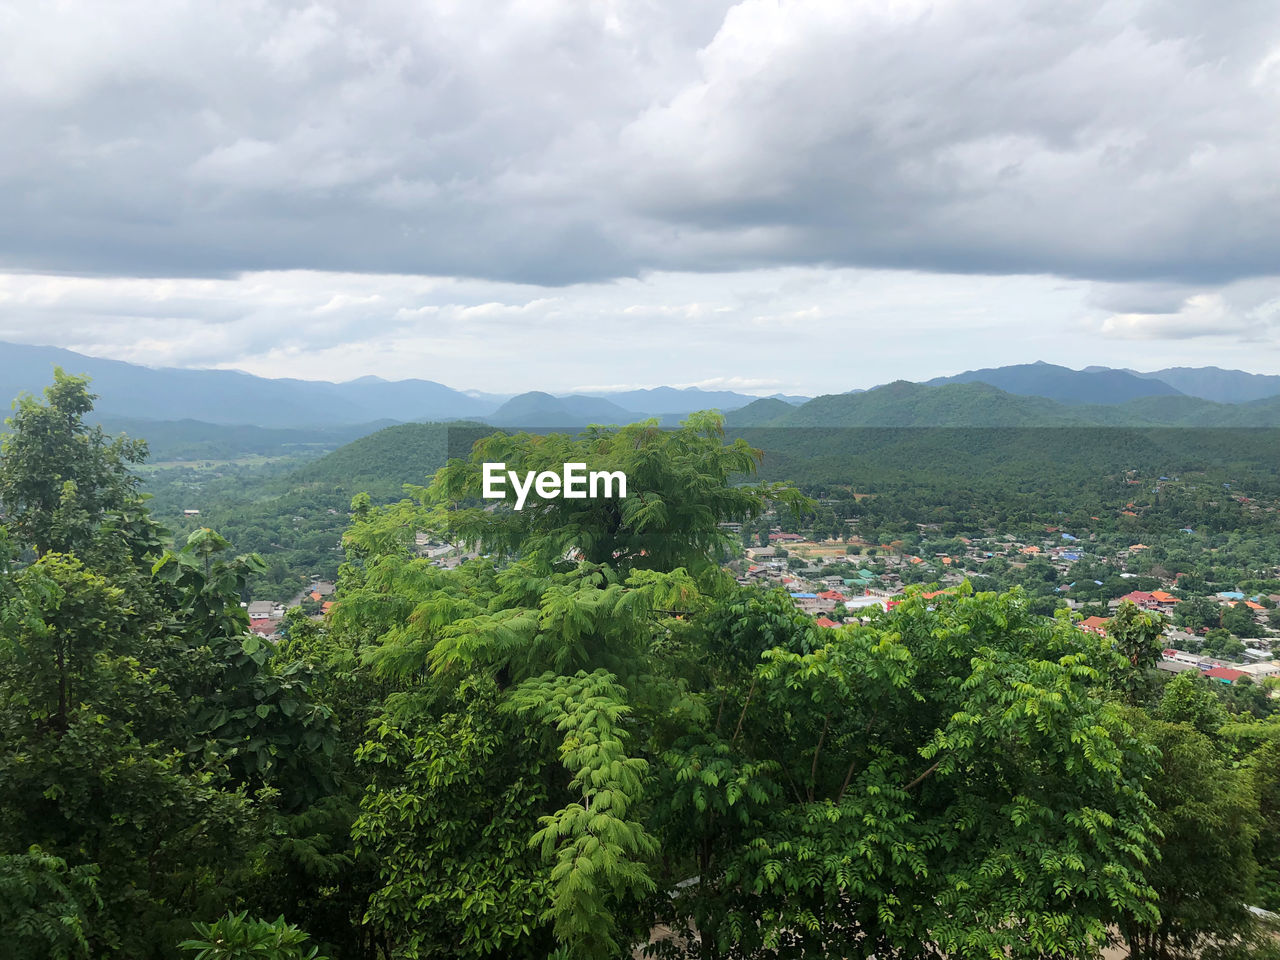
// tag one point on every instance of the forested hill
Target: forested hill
(380, 463)
(1064, 384)
(904, 404)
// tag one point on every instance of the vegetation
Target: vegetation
(588, 736)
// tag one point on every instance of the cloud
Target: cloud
(1247, 312)
(575, 142)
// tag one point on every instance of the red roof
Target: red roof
(831, 595)
(826, 622)
(1139, 596)
(1225, 674)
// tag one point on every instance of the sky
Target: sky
(800, 197)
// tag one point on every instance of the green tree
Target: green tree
(1206, 811)
(236, 937)
(60, 479)
(46, 907)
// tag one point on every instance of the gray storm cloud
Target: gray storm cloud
(557, 143)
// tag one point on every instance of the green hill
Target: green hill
(905, 404)
(380, 463)
(758, 413)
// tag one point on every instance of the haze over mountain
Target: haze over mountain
(904, 404)
(1018, 395)
(1040, 379)
(1214, 383)
(230, 397)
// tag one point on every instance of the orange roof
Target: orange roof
(935, 593)
(826, 622)
(1254, 606)
(1031, 549)
(1138, 546)
(946, 561)
(1164, 597)
(328, 605)
(916, 560)
(315, 595)
(1096, 624)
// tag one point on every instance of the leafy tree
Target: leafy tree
(46, 907)
(1207, 816)
(59, 478)
(236, 937)
(1239, 621)
(679, 491)
(1196, 613)
(1188, 698)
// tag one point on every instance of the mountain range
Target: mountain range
(230, 397)
(1035, 394)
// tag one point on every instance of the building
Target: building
(1224, 674)
(261, 610)
(1095, 625)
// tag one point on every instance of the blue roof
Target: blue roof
(805, 596)
(1231, 595)
(1067, 536)
(1071, 556)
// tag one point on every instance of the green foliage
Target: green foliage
(236, 937)
(59, 478)
(446, 816)
(1206, 813)
(46, 907)
(678, 492)
(1188, 698)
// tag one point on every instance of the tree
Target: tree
(236, 937)
(59, 478)
(1207, 816)
(1239, 621)
(1138, 637)
(145, 741)
(1196, 613)
(679, 491)
(46, 907)
(845, 799)
(570, 743)
(1187, 698)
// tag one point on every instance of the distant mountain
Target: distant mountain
(904, 404)
(1221, 386)
(758, 413)
(537, 409)
(1064, 384)
(666, 401)
(231, 397)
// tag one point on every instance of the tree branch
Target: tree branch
(743, 715)
(922, 776)
(813, 770)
